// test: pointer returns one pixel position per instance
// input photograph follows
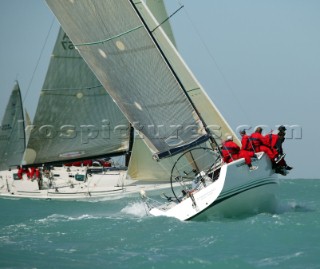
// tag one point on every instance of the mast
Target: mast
(131, 140)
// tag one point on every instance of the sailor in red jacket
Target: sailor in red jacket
(259, 144)
(32, 172)
(230, 150)
(20, 171)
(271, 140)
(23, 170)
(246, 151)
(246, 143)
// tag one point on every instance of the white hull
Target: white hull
(242, 191)
(65, 186)
(192, 206)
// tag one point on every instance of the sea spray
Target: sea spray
(135, 208)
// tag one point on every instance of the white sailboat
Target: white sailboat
(70, 91)
(12, 138)
(75, 120)
(142, 71)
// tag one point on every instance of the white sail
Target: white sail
(133, 70)
(141, 165)
(209, 112)
(144, 167)
(28, 124)
(12, 136)
(75, 118)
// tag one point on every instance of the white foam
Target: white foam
(136, 208)
(64, 218)
(276, 261)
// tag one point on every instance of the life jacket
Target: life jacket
(37, 173)
(20, 171)
(246, 143)
(27, 171)
(32, 172)
(229, 148)
(106, 164)
(87, 163)
(257, 140)
(271, 140)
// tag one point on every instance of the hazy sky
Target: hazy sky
(259, 61)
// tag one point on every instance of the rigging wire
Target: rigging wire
(229, 87)
(168, 18)
(38, 61)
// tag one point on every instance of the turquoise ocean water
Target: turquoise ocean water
(119, 234)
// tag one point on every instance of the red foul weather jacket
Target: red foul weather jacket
(230, 151)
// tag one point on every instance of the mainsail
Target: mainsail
(133, 69)
(75, 118)
(210, 114)
(141, 165)
(12, 136)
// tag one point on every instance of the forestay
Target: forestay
(12, 136)
(114, 41)
(75, 118)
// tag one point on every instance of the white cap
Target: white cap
(229, 137)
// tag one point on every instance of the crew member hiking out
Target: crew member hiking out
(282, 165)
(259, 144)
(246, 150)
(231, 152)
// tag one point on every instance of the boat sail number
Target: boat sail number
(6, 127)
(66, 43)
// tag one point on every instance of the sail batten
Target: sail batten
(110, 38)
